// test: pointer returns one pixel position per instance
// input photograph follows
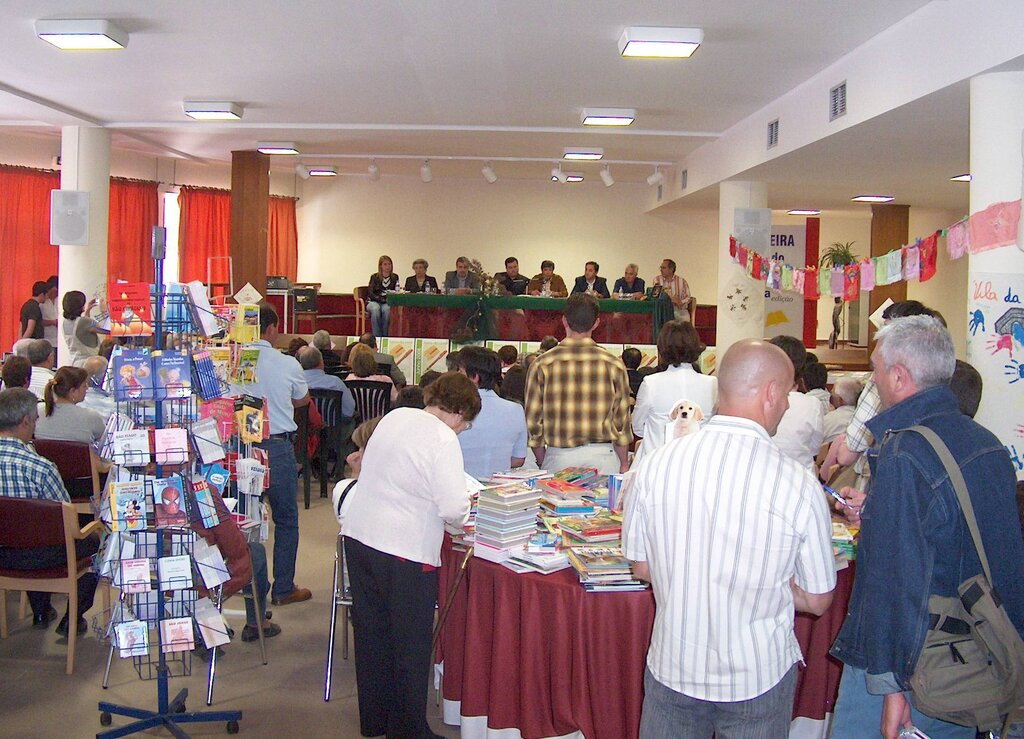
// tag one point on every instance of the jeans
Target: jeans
(42, 558)
(859, 714)
(380, 317)
(671, 715)
(284, 509)
(258, 554)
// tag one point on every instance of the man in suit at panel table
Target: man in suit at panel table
(589, 282)
(461, 281)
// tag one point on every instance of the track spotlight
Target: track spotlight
(488, 173)
(557, 175)
(606, 177)
(657, 178)
(374, 170)
(425, 174)
(302, 170)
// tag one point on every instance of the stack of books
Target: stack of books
(561, 498)
(603, 570)
(506, 518)
(844, 545)
(604, 529)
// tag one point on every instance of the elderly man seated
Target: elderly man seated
(96, 398)
(312, 363)
(40, 354)
(322, 341)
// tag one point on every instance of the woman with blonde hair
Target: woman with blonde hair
(63, 419)
(383, 281)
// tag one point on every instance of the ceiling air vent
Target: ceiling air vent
(773, 133)
(682, 179)
(837, 101)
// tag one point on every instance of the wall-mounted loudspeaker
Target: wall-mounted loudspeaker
(69, 218)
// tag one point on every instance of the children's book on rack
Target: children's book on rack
(204, 371)
(169, 502)
(128, 304)
(133, 375)
(175, 573)
(221, 410)
(176, 634)
(170, 446)
(131, 447)
(173, 372)
(249, 418)
(244, 370)
(201, 310)
(207, 440)
(127, 505)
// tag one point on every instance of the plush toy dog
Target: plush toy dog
(685, 417)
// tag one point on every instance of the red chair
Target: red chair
(25, 523)
(78, 467)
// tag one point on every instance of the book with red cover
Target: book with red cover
(129, 307)
(561, 489)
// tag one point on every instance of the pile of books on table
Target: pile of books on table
(603, 570)
(560, 498)
(587, 478)
(541, 554)
(844, 545)
(602, 529)
(506, 518)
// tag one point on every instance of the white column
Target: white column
(996, 278)
(738, 318)
(85, 166)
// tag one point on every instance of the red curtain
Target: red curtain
(25, 250)
(282, 238)
(205, 232)
(134, 210)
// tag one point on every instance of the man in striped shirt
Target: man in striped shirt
(577, 399)
(734, 536)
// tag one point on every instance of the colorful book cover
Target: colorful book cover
(200, 309)
(133, 375)
(169, 502)
(134, 575)
(132, 639)
(205, 505)
(131, 447)
(172, 372)
(206, 439)
(176, 634)
(225, 316)
(129, 306)
(217, 477)
(249, 418)
(170, 446)
(128, 505)
(205, 375)
(247, 324)
(244, 372)
(222, 410)
(222, 362)
(175, 573)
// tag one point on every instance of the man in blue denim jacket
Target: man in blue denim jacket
(914, 540)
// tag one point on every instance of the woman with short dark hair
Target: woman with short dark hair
(419, 281)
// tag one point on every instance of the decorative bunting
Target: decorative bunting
(867, 274)
(895, 266)
(838, 282)
(881, 270)
(851, 282)
(825, 282)
(958, 239)
(755, 269)
(911, 263)
(787, 277)
(811, 291)
(732, 246)
(798, 281)
(929, 255)
(744, 254)
(994, 227)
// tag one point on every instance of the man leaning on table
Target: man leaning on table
(577, 398)
(734, 537)
(547, 282)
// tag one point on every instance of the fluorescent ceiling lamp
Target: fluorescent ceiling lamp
(488, 173)
(663, 43)
(574, 177)
(277, 147)
(657, 178)
(583, 153)
(606, 177)
(373, 170)
(322, 170)
(88, 35)
(212, 111)
(873, 199)
(803, 212)
(425, 173)
(966, 177)
(608, 116)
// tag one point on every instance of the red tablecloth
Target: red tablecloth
(538, 653)
(535, 324)
(424, 322)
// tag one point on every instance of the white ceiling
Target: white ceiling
(475, 78)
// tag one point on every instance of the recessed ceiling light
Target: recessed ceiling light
(322, 170)
(583, 153)
(873, 199)
(276, 147)
(212, 111)
(663, 43)
(803, 212)
(608, 116)
(574, 177)
(90, 35)
(966, 177)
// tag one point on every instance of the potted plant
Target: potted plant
(838, 254)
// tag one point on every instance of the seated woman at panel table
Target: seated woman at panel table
(394, 523)
(383, 281)
(678, 347)
(63, 419)
(420, 281)
(364, 367)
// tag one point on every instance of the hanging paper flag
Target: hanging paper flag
(895, 266)
(799, 276)
(958, 240)
(881, 265)
(911, 263)
(825, 281)
(764, 268)
(994, 227)
(851, 282)
(837, 279)
(811, 291)
(867, 274)
(787, 277)
(929, 256)
(742, 253)
(775, 274)
(732, 247)
(755, 266)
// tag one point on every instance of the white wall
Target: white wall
(946, 292)
(346, 223)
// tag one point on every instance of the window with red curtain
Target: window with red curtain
(205, 232)
(282, 238)
(134, 210)
(25, 250)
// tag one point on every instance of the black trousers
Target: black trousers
(42, 558)
(392, 618)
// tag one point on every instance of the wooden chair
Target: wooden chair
(301, 416)
(79, 468)
(373, 398)
(29, 522)
(359, 296)
(336, 431)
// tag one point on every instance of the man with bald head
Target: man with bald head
(96, 398)
(735, 537)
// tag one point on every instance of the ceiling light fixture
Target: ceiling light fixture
(966, 177)
(583, 153)
(425, 174)
(803, 212)
(557, 175)
(873, 199)
(276, 148)
(657, 178)
(86, 35)
(212, 111)
(661, 43)
(574, 177)
(373, 170)
(488, 173)
(608, 116)
(322, 170)
(606, 176)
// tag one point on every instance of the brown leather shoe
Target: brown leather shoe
(296, 596)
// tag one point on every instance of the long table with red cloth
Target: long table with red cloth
(520, 318)
(539, 654)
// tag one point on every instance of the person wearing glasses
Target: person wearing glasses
(411, 483)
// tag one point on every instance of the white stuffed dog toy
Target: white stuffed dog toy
(686, 417)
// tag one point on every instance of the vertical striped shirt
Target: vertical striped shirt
(724, 520)
(576, 394)
(26, 474)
